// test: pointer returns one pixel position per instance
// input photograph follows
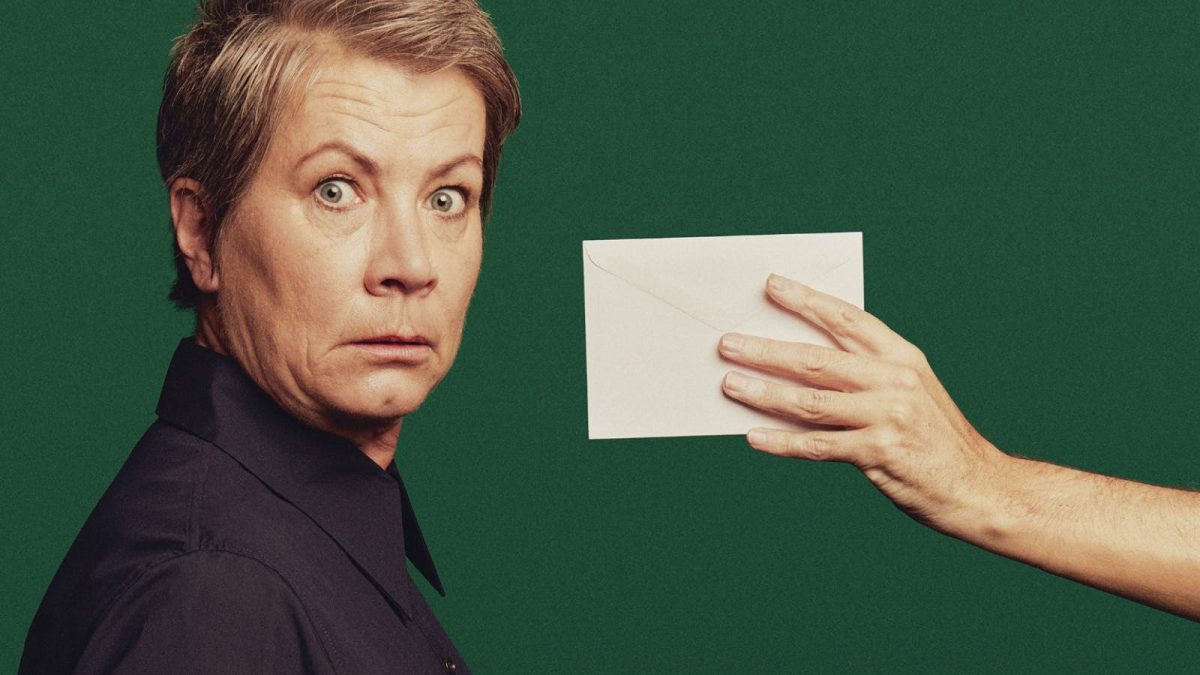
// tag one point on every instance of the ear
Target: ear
(191, 216)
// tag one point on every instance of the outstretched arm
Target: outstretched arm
(884, 411)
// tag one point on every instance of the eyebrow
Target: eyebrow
(372, 167)
(368, 164)
(447, 167)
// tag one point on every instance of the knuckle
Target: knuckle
(907, 379)
(886, 455)
(847, 316)
(812, 404)
(812, 446)
(884, 439)
(900, 414)
(814, 360)
(911, 356)
(918, 356)
(886, 444)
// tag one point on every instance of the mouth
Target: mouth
(396, 349)
(395, 340)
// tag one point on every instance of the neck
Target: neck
(380, 447)
(208, 330)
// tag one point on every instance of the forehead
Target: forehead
(384, 108)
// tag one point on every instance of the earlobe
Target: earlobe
(191, 216)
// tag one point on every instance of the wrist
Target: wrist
(991, 515)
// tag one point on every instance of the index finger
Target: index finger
(854, 329)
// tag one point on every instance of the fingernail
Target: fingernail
(756, 438)
(733, 343)
(737, 383)
(747, 387)
(776, 282)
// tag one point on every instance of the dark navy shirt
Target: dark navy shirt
(237, 540)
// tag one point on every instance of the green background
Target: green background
(1026, 178)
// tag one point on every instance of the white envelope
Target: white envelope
(656, 308)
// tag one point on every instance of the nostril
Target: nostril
(408, 284)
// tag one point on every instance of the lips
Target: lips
(403, 349)
(395, 340)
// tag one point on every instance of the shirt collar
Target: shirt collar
(323, 475)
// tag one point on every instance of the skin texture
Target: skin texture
(362, 222)
(882, 409)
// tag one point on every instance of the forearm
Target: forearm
(1135, 540)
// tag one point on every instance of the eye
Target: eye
(335, 192)
(448, 201)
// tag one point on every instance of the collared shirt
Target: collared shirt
(237, 540)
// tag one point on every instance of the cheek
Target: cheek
(246, 281)
(286, 287)
(316, 287)
(465, 273)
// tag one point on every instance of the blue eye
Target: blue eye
(449, 201)
(335, 191)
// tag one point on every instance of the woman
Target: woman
(329, 239)
(329, 168)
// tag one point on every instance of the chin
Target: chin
(376, 406)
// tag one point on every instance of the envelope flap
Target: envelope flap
(711, 278)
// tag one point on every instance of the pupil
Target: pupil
(443, 202)
(332, 192)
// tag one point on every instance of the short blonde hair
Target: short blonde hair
(232, 72)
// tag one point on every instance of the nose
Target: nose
(400, 260)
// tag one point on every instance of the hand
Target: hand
(881, 407)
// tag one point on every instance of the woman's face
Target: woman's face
(345, 271)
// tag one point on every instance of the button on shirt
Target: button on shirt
(237, 540)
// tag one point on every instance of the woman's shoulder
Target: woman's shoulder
(185, 493)
(178, 520)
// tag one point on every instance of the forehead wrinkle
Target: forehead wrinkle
(340, 84)
(458, 131)
(345, 97)
(363, 118)
(376, 100)
(379, 104)
(464, 129)
(398, 112)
